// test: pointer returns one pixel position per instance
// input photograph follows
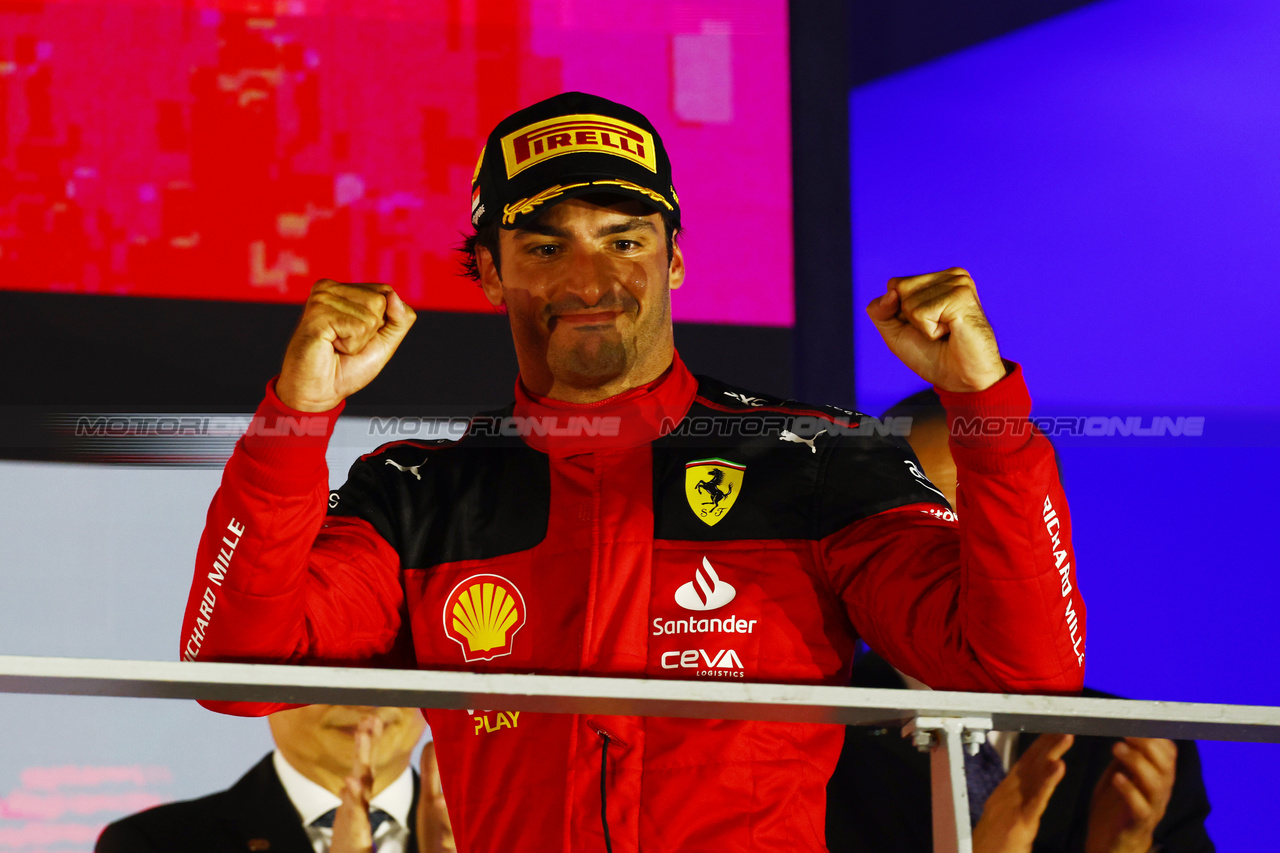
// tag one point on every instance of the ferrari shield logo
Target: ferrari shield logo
(712, 486)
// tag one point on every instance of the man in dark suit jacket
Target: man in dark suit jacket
(317, 747)
(878, 797)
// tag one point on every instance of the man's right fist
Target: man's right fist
(347, 333)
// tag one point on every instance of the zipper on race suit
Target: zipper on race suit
(606, 738)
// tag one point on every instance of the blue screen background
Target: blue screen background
(1111, 178)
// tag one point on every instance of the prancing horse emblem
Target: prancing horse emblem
(712, 487)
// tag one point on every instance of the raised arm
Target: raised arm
(275, 580)
(988, 601)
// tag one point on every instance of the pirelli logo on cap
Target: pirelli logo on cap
(597, 134)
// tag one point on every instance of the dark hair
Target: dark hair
(487, 236)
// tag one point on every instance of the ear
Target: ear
(490, 281)
(675, 271)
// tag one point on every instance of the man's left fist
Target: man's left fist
(935, 324)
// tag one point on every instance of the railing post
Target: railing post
(946, 739)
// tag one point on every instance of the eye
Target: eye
(626, 245)
(544, 250)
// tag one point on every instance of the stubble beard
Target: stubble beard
(599, 358)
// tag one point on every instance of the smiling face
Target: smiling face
(319, 741)
(587, 286)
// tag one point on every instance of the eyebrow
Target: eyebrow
(635, 224)
(544, 230)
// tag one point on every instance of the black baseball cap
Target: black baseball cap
(569, 145)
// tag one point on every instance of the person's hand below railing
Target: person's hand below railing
(1128, 801)
(435, 834)
(352, 831)
(1132, 796)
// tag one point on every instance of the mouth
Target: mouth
(596, 319)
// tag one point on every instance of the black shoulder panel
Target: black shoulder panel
(725, 475)
(871, 473)
(749, 466)
(472, 499)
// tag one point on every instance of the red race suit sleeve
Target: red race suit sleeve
(985, 602)
(276, 581)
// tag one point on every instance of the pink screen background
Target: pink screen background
(239, 151)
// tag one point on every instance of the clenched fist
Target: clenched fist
(347, 334)
(935, 324)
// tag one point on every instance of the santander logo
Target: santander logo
(706, 591)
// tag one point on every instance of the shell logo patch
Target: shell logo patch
(712, 487)
(483, 615)
(552, 137)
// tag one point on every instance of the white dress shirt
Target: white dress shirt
(312, 801)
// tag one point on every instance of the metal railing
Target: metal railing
(944, 723)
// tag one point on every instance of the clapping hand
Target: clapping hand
(1011, 817)
(1132, 796)
(435, 834)
(352, 832)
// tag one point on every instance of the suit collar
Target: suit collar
(309, 799)
(312, 800)
(257, 807)
(259, 810)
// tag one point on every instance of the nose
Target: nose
(588, 275)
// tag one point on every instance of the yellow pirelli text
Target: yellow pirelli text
(597, 134)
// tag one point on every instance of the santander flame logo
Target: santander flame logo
(706, 591)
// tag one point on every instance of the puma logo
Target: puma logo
(411, 469)
(787, 435)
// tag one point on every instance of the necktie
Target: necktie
(377, 817)
(983, 772)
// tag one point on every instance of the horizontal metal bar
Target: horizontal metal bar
(641, 697)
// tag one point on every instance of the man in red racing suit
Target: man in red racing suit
(655, 525)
